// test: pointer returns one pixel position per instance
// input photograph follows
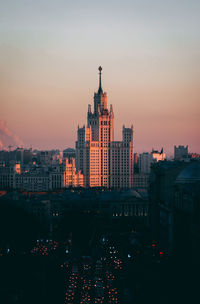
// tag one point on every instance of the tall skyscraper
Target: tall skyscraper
(103, 162)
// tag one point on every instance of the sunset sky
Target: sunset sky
(150, 53)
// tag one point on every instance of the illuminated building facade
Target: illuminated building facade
(71, 177)
(147, 159)
(103, 162)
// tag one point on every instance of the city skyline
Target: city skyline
(99, 151)
(150, 55)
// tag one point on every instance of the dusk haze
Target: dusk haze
(149, 51)
(99, 151)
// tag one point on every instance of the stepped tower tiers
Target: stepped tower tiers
(95, 144)
(101, 120)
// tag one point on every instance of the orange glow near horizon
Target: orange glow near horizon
(50, 53)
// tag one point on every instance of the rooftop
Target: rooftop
(190, 174)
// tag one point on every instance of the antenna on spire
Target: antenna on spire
(100, 88)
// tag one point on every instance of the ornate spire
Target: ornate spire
(100, 88)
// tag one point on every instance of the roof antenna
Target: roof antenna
(100, 91)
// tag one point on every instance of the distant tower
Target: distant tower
(180, 152)
(101, 120)
(93, 146)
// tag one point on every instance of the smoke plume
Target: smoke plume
(8, 137)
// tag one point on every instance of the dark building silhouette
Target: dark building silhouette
(175, 207)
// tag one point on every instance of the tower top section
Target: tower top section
(100, 99)
(100, 91)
